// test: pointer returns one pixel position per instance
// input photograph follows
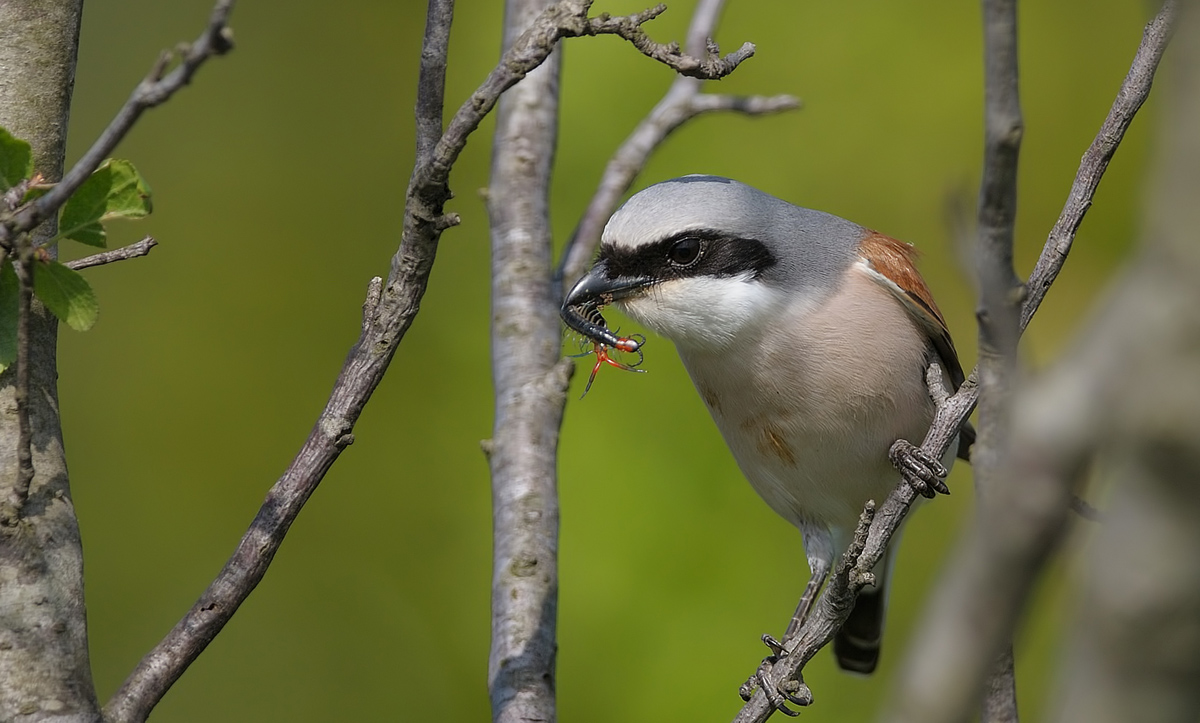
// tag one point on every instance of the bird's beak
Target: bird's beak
(581, 309)
(597, 288)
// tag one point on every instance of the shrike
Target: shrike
(806, 335)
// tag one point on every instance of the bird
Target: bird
(807, 337)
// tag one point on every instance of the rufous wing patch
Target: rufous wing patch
(898, 261)
(893, 264)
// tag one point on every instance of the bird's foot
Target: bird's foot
(792, 690)
(919, 469)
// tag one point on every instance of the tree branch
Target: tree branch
(530, 392)
(975, 588)
(1000, 295)
(705, 65)
(682, 102)
(431, 82)
(132, 251)
(1132, 94)
(155, 89)
(977, 604)
(44, 655)
(877, 526)
(368, 360)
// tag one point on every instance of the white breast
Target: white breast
(810, 403)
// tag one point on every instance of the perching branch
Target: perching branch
(155, 89)
(989, 580)
(682, 102)
(950, 636)
(877, 526)
(1131, 653)
(387, 317)
(132, 251)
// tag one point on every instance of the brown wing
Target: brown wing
(894, 267)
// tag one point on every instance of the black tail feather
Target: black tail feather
(856, 645)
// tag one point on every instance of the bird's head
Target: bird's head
(704, 260)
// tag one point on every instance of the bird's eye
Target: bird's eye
(684, 252)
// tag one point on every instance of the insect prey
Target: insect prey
(588, 321)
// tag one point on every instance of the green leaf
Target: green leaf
(115, 190)
(16, 160)
(66, 293)
(9, 287)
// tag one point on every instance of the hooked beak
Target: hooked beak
(581, 309)
(596, 288)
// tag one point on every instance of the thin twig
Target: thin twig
(132, 251)
(366, 363)
(431, 82)
(933, 670)
(682, 102)
(979, 599)
(708, 65)
(155, 89)
(1130, 97)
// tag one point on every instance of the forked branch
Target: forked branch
(682, 102)
(388, 313)
(155, 89)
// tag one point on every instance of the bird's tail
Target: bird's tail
(856, 645)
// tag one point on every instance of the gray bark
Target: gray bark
(999, 293)
(43, 627)
(987, 584)
(1135, 381)
(530, 386)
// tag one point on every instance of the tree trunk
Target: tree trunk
(43, 626)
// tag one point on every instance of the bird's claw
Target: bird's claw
(776, 647)
(792, 691)
(920, 470)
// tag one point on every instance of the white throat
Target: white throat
(704, 312)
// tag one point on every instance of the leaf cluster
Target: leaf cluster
(116, 190)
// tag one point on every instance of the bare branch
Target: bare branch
(530, 393)
(998, 283)
(933, 677)
(982, 593)
(132, 251)
(1130, 97)
(155, 89)
(837, 600)
(682, 102)
(1000, 691)
(1000, 296)
(431, 83)
(709, 66)
(367, 361)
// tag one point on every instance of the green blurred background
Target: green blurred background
(279, 178)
